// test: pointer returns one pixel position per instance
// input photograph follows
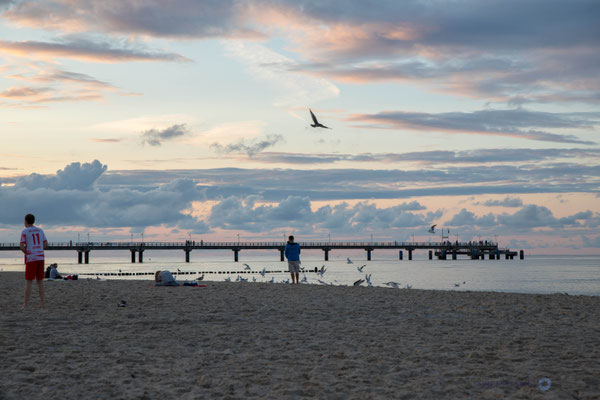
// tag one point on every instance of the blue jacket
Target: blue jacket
(292, 251)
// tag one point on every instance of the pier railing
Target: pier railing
(475, 249)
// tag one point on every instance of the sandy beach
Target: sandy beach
(260, 340)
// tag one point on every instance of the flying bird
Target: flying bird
(322, 271)
(316, 123)
(392, 284)
(262, 273)
(247, 267)
(359, 282)
(432, 229)
(368, 279)
(349, 261)
(361, 268)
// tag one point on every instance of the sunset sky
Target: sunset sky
(189, 118)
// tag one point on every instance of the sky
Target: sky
(189, 119)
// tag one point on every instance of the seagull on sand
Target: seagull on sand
(316, 123)
(408, 286)
(272, 280)
(358, 282)
(253, 279)
(200, 278)
(247, 267)
(457, 285)
(228, 279)
(304, 280)
(361, 268)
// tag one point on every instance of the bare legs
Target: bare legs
(28, 285)
(296, 276)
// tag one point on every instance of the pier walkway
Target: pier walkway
(441, 250)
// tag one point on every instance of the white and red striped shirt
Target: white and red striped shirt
(34, 238)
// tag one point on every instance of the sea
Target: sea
(569, 274)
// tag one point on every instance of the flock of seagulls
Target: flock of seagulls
(321, 273)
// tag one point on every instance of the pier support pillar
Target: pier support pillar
(79, 257)
(326, 254)
(506, 256)
(281, 255)
(87, 257)
(521, 254)
(492, 256)
(454, 254)
(442, 255)
(430, 255)
(410, 254)
(400, 255)
(187, 255)
(140, 256)
(236, 255)
(132, 255)
(368, 254)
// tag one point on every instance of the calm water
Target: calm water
(535, 274)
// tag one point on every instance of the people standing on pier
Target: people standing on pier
(292, 253)
(33, 242)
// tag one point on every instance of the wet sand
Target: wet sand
(261, 340)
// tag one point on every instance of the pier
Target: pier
(441, 250)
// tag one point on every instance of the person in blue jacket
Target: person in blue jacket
(292, 253)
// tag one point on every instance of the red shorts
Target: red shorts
(34, 270)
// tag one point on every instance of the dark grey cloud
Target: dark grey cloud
(155, 137)
(251, 148)
(528, 218)
(515, 51)
(468, 218)
(479, 156)
(514, 123)
(71, 197)
(339, 184)
(74, 176)
(180, 18)
(252, 202)
(506, 202)
(88, 50)
(293, 212)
